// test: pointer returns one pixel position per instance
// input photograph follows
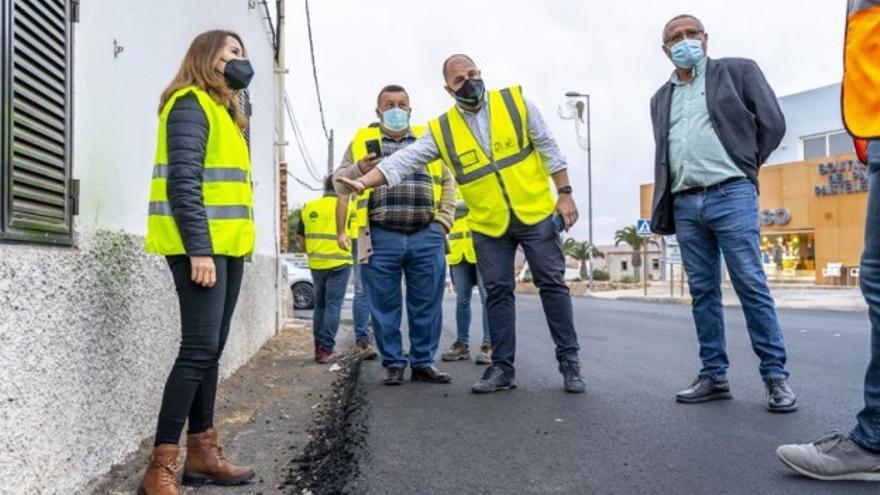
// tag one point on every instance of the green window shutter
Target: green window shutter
(39, 197)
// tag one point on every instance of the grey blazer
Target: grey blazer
(745, 114)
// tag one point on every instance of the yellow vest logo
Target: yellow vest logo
(313, 216)
(505, 145)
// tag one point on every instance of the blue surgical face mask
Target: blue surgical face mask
(395, 119)
(687, 53)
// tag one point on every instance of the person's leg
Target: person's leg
(731, 213)
(543, 251)
(319, 279)
(496, 256)
(381, 277)
(463, 281)
(337, 283)
(702, 263)
(359, 308)
(425, 270)
(867, 432)
(483, 309)
(201, 316)
(201, 414)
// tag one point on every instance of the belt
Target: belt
(713, 187)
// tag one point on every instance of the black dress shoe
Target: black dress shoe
(704, 389)
(494, 379)
(430, 374)
(780, 397)
(394, 376)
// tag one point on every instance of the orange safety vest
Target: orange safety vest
(861, 69)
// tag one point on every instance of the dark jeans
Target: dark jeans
(205, 314)
(330, 288)
(360, 311)
(867, 432)
(464, 277)
(421, 258)
(724, 220)
(495, 260)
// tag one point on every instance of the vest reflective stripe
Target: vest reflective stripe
(163, 208)
(861, 72)
(219, 174)
(459, 235)
(359, 150)
(226, 186)
(511, 179)
(319, 226)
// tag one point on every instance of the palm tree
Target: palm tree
(581, 251)
(630, 235)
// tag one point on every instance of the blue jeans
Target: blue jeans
(330, 288)
(724, 220)
(464, 277)
(421, 258)
(867, 432)
(359, 309)
(495, 260)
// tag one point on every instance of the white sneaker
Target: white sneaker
(832, 458)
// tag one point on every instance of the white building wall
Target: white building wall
(89, 333)
(812, 112)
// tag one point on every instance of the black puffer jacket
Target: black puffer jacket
(187, 136)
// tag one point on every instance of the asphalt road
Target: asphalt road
(626, 435)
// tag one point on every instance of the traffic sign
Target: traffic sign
(643, 228)
(672, 251)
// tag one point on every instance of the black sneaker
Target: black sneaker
(571, 376)
(494, 379)
(780, 397)
(704, 389)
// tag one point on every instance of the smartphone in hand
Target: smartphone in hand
(558, 223)
(375, 147)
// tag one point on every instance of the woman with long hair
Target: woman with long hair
(200, 219)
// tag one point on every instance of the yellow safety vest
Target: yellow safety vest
(359, 151)
(512, 179)
(226, 186)
(319, 225)
(461, 243)
(861, 74)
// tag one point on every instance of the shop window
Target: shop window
(38, 197)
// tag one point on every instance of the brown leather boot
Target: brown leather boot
(161, 475)
(206, 463)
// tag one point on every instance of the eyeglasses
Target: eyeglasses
(690, 34)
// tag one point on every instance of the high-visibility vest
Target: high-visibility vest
(319, 225)
(512, 179)
(359, 151)
(861, 69)
(461, 243)
(226, 186)
(352, 221)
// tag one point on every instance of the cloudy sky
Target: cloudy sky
(610, 50)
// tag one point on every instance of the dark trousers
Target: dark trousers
(867, 431)
(495, 260)
(205, 314)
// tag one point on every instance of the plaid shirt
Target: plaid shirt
(409, 206)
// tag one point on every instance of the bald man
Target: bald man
(503, 158)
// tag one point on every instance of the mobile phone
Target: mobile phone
(558, 222)
(375, 147)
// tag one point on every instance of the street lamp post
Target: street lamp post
(575, 94)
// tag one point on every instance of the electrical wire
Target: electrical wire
(315, 71)
(300, 141)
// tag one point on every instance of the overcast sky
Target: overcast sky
(611, 50)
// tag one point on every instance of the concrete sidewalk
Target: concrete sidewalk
(794, 297)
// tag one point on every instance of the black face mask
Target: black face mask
(238, 74)
(471, 93)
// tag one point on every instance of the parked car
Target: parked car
(299, 277)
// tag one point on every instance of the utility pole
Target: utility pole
(280, 128)
(575, 94)
(330, 154)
